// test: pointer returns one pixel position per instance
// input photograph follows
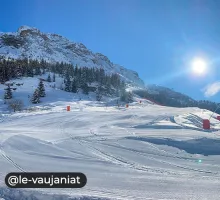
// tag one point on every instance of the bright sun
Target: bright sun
(199, 66)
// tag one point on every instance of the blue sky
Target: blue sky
(156, 38)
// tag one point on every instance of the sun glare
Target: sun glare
(199, 66)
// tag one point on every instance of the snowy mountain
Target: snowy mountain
(29, 42)
(168, 97)
(172, 96)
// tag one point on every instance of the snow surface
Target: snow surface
(144, 151)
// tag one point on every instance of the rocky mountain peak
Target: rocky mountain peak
(24, 30)
(30, 42)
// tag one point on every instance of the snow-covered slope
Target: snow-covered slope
(141, 152)
(30, 43)
(26, 86)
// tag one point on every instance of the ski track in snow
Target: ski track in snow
(120, 161)
(9, 160)
(152, 158)
(105, 155)
(102, 137)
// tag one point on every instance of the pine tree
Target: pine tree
(85, 88)
(36, 97)
(8, 93)
(49, 78)
(117, 92)
(30, 72)
(101, 76)
(19, 70)
(74, 86)
(83, 79)
(41, 89)
(37, 71)
(76, 71)
(89, 76)
(124, 96)
(130, 97)
(67, 83)
(29, 68)
(108, 88)
(93, 75)
(122, 87)
(99, 93)
(54, 77)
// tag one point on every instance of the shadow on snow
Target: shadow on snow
(203, 146)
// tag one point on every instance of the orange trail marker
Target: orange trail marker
(206, 124)
(68, 108)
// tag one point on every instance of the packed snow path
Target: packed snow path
(142, 152)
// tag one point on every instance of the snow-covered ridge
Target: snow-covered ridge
(31, 43)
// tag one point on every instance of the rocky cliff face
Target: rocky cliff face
(31, 43)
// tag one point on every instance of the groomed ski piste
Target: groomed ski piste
(145, 151)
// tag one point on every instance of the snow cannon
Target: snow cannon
(206, 124)
(68, 108)
(218, 118)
